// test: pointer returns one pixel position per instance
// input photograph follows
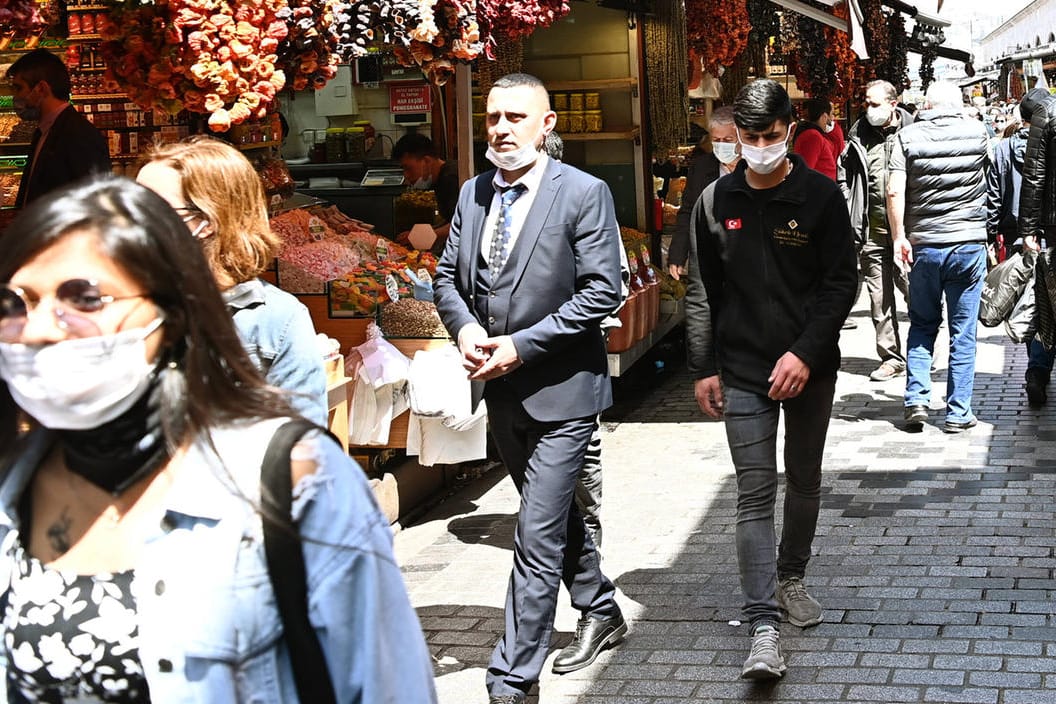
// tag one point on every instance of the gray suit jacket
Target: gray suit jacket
(561, 280)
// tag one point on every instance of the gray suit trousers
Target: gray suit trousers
(550, 544)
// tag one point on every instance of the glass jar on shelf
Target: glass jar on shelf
(575, 102)
(577, 121)
(336, 151)
(592, 101)
(592, 121)
(356, 141)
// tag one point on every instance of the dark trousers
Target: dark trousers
(751, 430)
(550, 544)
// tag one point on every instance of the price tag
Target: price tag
(381, 249)
(316, 228)
(645, 255)
(424, 277)
(392, 287)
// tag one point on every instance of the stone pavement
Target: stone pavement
(933, 559)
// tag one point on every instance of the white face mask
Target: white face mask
(726, 152)
(830, 127)
(517, 159)
(764, 160)
(82, 383)
(878, 115)
(423, 184)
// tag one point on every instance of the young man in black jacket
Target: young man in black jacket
(772, 277)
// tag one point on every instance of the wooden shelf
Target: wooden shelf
(85, 38)
(101, 96)
(86, 8)
(596, 84)
(599, 136)
(257, 145)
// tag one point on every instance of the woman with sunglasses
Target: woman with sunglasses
(216, 191)
(132, 430)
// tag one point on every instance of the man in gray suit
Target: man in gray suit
(531, 268)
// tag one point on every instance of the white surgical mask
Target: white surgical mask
(81, 383)
(726, 152)
(517, 159)
(423, 184)
(830, 127)
(764, 160)
(878, 115)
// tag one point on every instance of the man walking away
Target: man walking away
(936, 205)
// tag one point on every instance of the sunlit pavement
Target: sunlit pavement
(933, 558)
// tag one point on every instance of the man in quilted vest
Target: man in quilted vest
(936, 205)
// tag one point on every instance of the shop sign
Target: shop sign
(410, 98)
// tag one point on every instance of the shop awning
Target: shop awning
(979, 78)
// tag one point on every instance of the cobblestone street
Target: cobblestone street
(933, 560)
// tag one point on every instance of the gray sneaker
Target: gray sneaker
(803, 609)
(765, 661)
(888, 370)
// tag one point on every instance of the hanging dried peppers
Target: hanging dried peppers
(717, 30)
(664, 39)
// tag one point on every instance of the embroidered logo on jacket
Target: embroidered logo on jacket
(733, 223)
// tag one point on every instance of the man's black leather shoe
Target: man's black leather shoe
(958, 427)
(592, 636)
(506, 699)
(916, 415)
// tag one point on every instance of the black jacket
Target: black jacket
(703, 169)
(1037, 197)
(770, 272)
(73, 149)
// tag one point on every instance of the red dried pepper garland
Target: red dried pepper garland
(717, 30)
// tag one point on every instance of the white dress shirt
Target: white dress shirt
(518, 210)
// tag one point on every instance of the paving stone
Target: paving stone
(933, 556)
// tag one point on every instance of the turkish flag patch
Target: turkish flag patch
(733, 223)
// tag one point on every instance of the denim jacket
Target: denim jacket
(209, 629)
(277, 333)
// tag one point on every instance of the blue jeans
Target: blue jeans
(1038, 357)
(957, 272)
(751, 430)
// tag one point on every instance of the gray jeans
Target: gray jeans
(751, 430)
(882, 277)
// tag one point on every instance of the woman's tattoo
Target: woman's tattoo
(59, 532)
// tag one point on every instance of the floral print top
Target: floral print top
(70, 638)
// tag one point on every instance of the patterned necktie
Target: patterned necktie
(500, 242)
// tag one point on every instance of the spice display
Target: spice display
(216, 57)
(362, 290)
(665, 51)
(8, 188)
(412, 207)
(409, 317)
(717, 30)
(275, 176)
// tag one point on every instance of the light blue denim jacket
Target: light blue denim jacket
(209, 629)
(277, 333)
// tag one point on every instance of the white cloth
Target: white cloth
(442, 428)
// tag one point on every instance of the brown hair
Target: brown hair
(218, 180)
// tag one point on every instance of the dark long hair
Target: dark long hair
(206, 377)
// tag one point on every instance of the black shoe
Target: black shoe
(592, 636)
(506, 699)
(916, 416)
(958, 427)
(1037, 380)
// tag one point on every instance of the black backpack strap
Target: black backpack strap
(282, 549)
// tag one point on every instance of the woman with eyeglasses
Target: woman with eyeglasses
(218, 194)
(132, 430)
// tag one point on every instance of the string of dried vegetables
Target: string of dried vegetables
(664, 38)
(765, 22)
(717, 30)
(847, 69)
(928, 54)
(307, 55)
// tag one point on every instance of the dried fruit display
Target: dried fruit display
(307, 55)
(21, 18)
(717, 30)
(432, 34)
(216, 57)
